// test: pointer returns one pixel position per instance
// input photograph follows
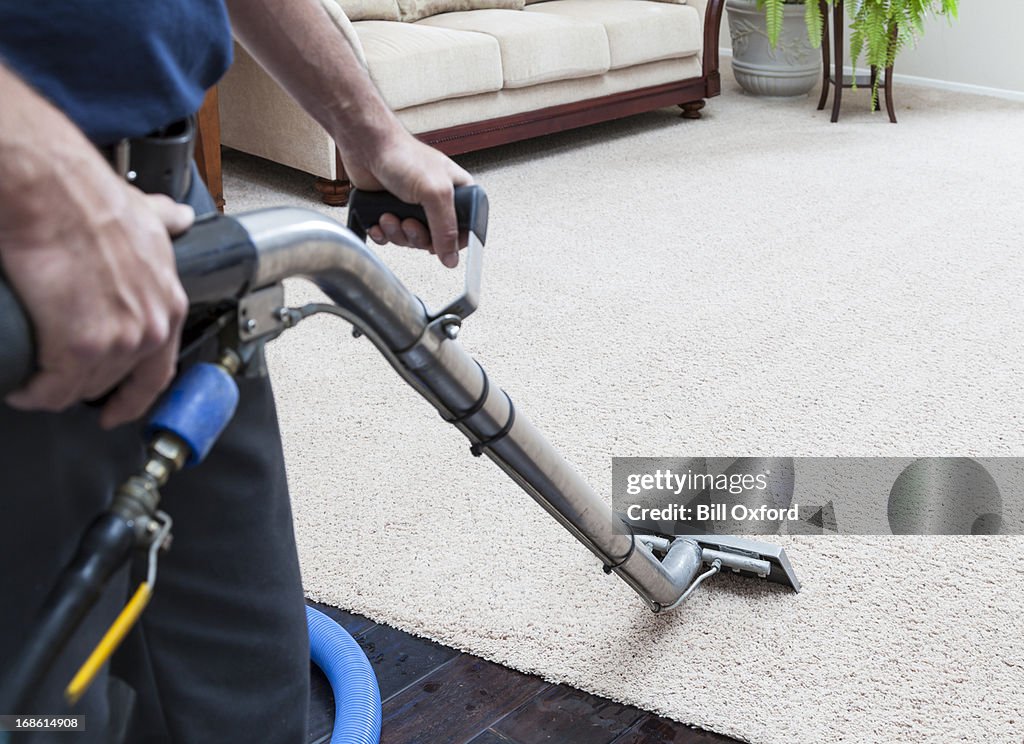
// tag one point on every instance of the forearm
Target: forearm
(298, 44)
(44, 158)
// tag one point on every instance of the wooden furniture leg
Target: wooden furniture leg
(889, 103)
(691, 109)
(837, 23)
(825, 61)
(333, 193)
(207, 150)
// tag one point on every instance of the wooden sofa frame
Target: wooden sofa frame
(688, 94)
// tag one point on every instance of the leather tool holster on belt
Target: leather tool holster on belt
(160, 162)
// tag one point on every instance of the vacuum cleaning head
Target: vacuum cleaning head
(748, 557)
(684, 556)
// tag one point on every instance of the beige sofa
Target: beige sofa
(468, 74)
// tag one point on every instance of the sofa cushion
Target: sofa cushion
(414, 10)
(528, 101)
(535, 47)
(413, 64)
(638, 31)
(364, 10)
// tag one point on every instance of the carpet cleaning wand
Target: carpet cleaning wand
(243, 260)
(423, 348)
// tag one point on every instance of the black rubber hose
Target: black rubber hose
(106, 547)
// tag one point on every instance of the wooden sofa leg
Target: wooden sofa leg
(333, 193)
(691, 109)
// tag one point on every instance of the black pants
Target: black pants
(222, 653)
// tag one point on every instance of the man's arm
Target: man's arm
(91, 259)
(299, 45)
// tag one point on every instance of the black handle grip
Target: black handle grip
(216, 260)
(366, 207)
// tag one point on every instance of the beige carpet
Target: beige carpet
(760, 282)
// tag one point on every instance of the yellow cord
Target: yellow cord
(109, 643)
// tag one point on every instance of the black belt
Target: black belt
(160, 162)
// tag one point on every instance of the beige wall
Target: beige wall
(984, 48)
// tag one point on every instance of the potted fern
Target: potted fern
(773, 45)
(769, 59)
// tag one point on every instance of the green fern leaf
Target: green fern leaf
(773, 15)
(813, 19)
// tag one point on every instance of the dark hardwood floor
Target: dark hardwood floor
(433, 694)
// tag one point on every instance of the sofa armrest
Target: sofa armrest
(711, 19)
(258, 117)
(345, 26)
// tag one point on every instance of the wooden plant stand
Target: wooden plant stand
(833, 76)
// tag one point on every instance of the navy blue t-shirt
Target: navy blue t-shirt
(117, 68)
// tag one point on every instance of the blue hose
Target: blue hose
(357, 713)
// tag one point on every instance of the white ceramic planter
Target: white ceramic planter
(790, 69)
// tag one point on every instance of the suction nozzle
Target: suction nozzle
(719, 554)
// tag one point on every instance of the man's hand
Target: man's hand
(90, 257)
(419, 174)
(105, 302)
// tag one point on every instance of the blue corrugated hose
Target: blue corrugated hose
(356, 695)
